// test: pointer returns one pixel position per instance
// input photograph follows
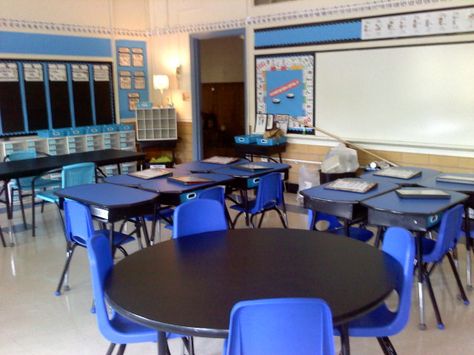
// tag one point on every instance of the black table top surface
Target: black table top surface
(36, 166)
(189, 285)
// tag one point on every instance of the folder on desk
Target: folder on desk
(151, 173)
(458, 179)
(188, 179)
(398, 173)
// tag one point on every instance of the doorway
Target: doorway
(218, 75)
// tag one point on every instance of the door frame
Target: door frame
(196, 83)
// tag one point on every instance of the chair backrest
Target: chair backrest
(449, 231)
(400, 244)
(281, 326)
(270, 191)
(216, 193)
(78, 221)
(101, 263)
(77, 174)
(198, 216)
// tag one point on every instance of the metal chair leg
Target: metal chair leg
(110, 350)
(433, 301)
(1, 237)
(33, 222)
(458, 280)
(284, 220)
(387, 346)
(261, 220)
(121, 349)
(189, 345)
(22, 207)
(69, 253)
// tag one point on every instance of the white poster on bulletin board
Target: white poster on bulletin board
(57, 72)
(33, 72)
(80, 72)
(8, 72)
(101, 72)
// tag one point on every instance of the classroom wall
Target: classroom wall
(222, 60)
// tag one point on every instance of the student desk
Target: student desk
(201, 277)
(343, 204)
(417, 215)
(111, 203)
(34, 167)
(425, 173)
(467, 189)
(266, 151)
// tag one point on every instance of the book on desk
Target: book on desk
(351, 185)
(398, 173)
(151, 173)
(188, 179)
(220, 160)
(422, 193)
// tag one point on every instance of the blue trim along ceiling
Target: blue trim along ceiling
(306, 35)
(132, 69)
(35, 43)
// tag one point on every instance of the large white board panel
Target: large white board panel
(413, 95)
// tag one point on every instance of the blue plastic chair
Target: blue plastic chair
(198, 216)
(71, 175)
(79, 229)
(21, 184)
(280, 326)
(334, 226)
(382, 322)
(269, 197)
(115, 328)
(434, 252)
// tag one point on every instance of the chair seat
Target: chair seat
(133, 332)
(357, 233)
(162, 213)
(119, 238)
(377, 323)
(428, 247)
(48, 196)
(39, 183)
(251, 207)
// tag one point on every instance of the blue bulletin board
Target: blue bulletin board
(285, 86)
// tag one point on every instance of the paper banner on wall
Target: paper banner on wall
(137, 56)
(124, 57)
(125, 78)
(33, 72)
(133, 99)
(8, 72)
(57, 72)
(139, 80)
(101, 72)
(80, 72)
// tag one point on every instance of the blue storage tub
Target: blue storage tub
(271, 141)
(110, 128)
(125, 127)
(53, 133)
(76, 131)
(247, 138)
(93, 129)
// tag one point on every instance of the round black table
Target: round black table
(189, 285)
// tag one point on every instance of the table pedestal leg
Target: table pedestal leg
(345, 346)
(467, 232)
(421, 300)
(162, 343)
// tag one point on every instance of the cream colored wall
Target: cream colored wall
(222, 60)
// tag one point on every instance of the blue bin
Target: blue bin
(247, 138)
(271, 141)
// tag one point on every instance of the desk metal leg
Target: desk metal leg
(111, 238)
(467, 232)
(345, 345)
(421, 300)
(162, 343)
(245, 200)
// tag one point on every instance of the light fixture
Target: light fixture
(161, 82)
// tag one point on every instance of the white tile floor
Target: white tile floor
(34, 321)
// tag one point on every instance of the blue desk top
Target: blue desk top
(200, 167)
(163, 185)
(321, 193)
(391, 202)
(241, 173)
(425, 173)
(107, 195)
(430, 181)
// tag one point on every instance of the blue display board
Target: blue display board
(132, 73)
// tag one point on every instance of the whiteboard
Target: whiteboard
(415, 95)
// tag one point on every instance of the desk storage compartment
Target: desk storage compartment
(271, 141)
(247, 138)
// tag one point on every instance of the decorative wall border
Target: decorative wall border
(307, 14)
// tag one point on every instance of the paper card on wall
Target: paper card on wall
(33, 72)
(139, 80)
(80, 72)
(8, 72)
(281, 122)
(57, 72)
(260, 123)
(101, 73)
(137, 59)
(124, 57)
(125, 80)
(133, 99)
